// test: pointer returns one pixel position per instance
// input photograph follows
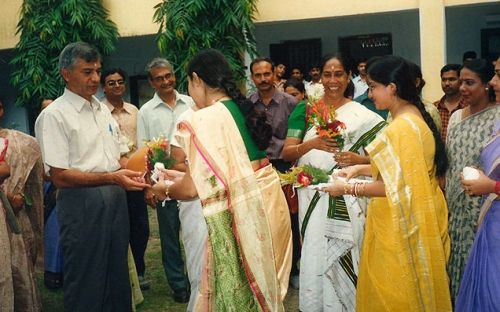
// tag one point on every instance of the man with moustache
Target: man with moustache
(158, 118)
(277, 105)
(360, 85)
(80, 144)
(113, 83)
(314, 87)
(451, 100)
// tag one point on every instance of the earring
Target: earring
(486, 88)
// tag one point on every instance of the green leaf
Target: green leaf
(44, 28)
(184, 27)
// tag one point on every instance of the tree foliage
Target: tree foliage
(187, 26)
(45, 28)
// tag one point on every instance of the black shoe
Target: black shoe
(52, 280)
(181, 296)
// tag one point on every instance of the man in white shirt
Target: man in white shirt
(314, 88)
(158, 118)
(360, 85)
(80, 144)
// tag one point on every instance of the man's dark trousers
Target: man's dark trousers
(169, 225)
(139, 228)
(94, 233)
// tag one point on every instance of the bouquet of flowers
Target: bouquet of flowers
(303, 176)
(158, 156)
(322, 116)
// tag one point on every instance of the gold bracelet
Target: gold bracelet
(167, 190)
(362, 190)
(345, 188)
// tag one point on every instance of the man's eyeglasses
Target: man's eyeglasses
(114, 83)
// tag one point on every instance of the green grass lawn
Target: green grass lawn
(158, 298)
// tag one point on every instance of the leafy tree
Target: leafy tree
(45, 28)
(187, 26)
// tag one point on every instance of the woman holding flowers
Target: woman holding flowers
(246, 264)
(326, 133)
(406, 243)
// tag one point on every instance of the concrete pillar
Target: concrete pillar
(432, 45)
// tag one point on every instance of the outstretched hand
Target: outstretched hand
(160, 188)
(345, 159)
(336, 188)
(348, 172)
(130, 180)
(172, 175)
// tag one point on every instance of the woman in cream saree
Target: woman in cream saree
(238, 190)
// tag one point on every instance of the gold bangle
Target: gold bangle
(362, 190)
(345, 188)
(167, 190)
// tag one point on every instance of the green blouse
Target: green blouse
(297, 121)
(253, 151)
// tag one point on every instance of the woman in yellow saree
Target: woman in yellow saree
(406, 244)
(248, 254)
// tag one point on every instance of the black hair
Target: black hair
(211, 66)
(261, 59)
(296, 83)
(485, 70)
(449, 67)
(418, 78)
(346, 62)
(394, 69)
(315, 65)
(361, 60)
(111, 71)
(469, 55)
(349, 91)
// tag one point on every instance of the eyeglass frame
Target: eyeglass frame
(114, 83)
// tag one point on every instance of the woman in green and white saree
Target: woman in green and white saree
(331, 227)
(245, 263)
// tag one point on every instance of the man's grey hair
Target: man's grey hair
(77, 50)
(158, 62)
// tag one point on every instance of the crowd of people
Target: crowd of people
(399, 227)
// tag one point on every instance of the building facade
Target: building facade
(431, 33)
